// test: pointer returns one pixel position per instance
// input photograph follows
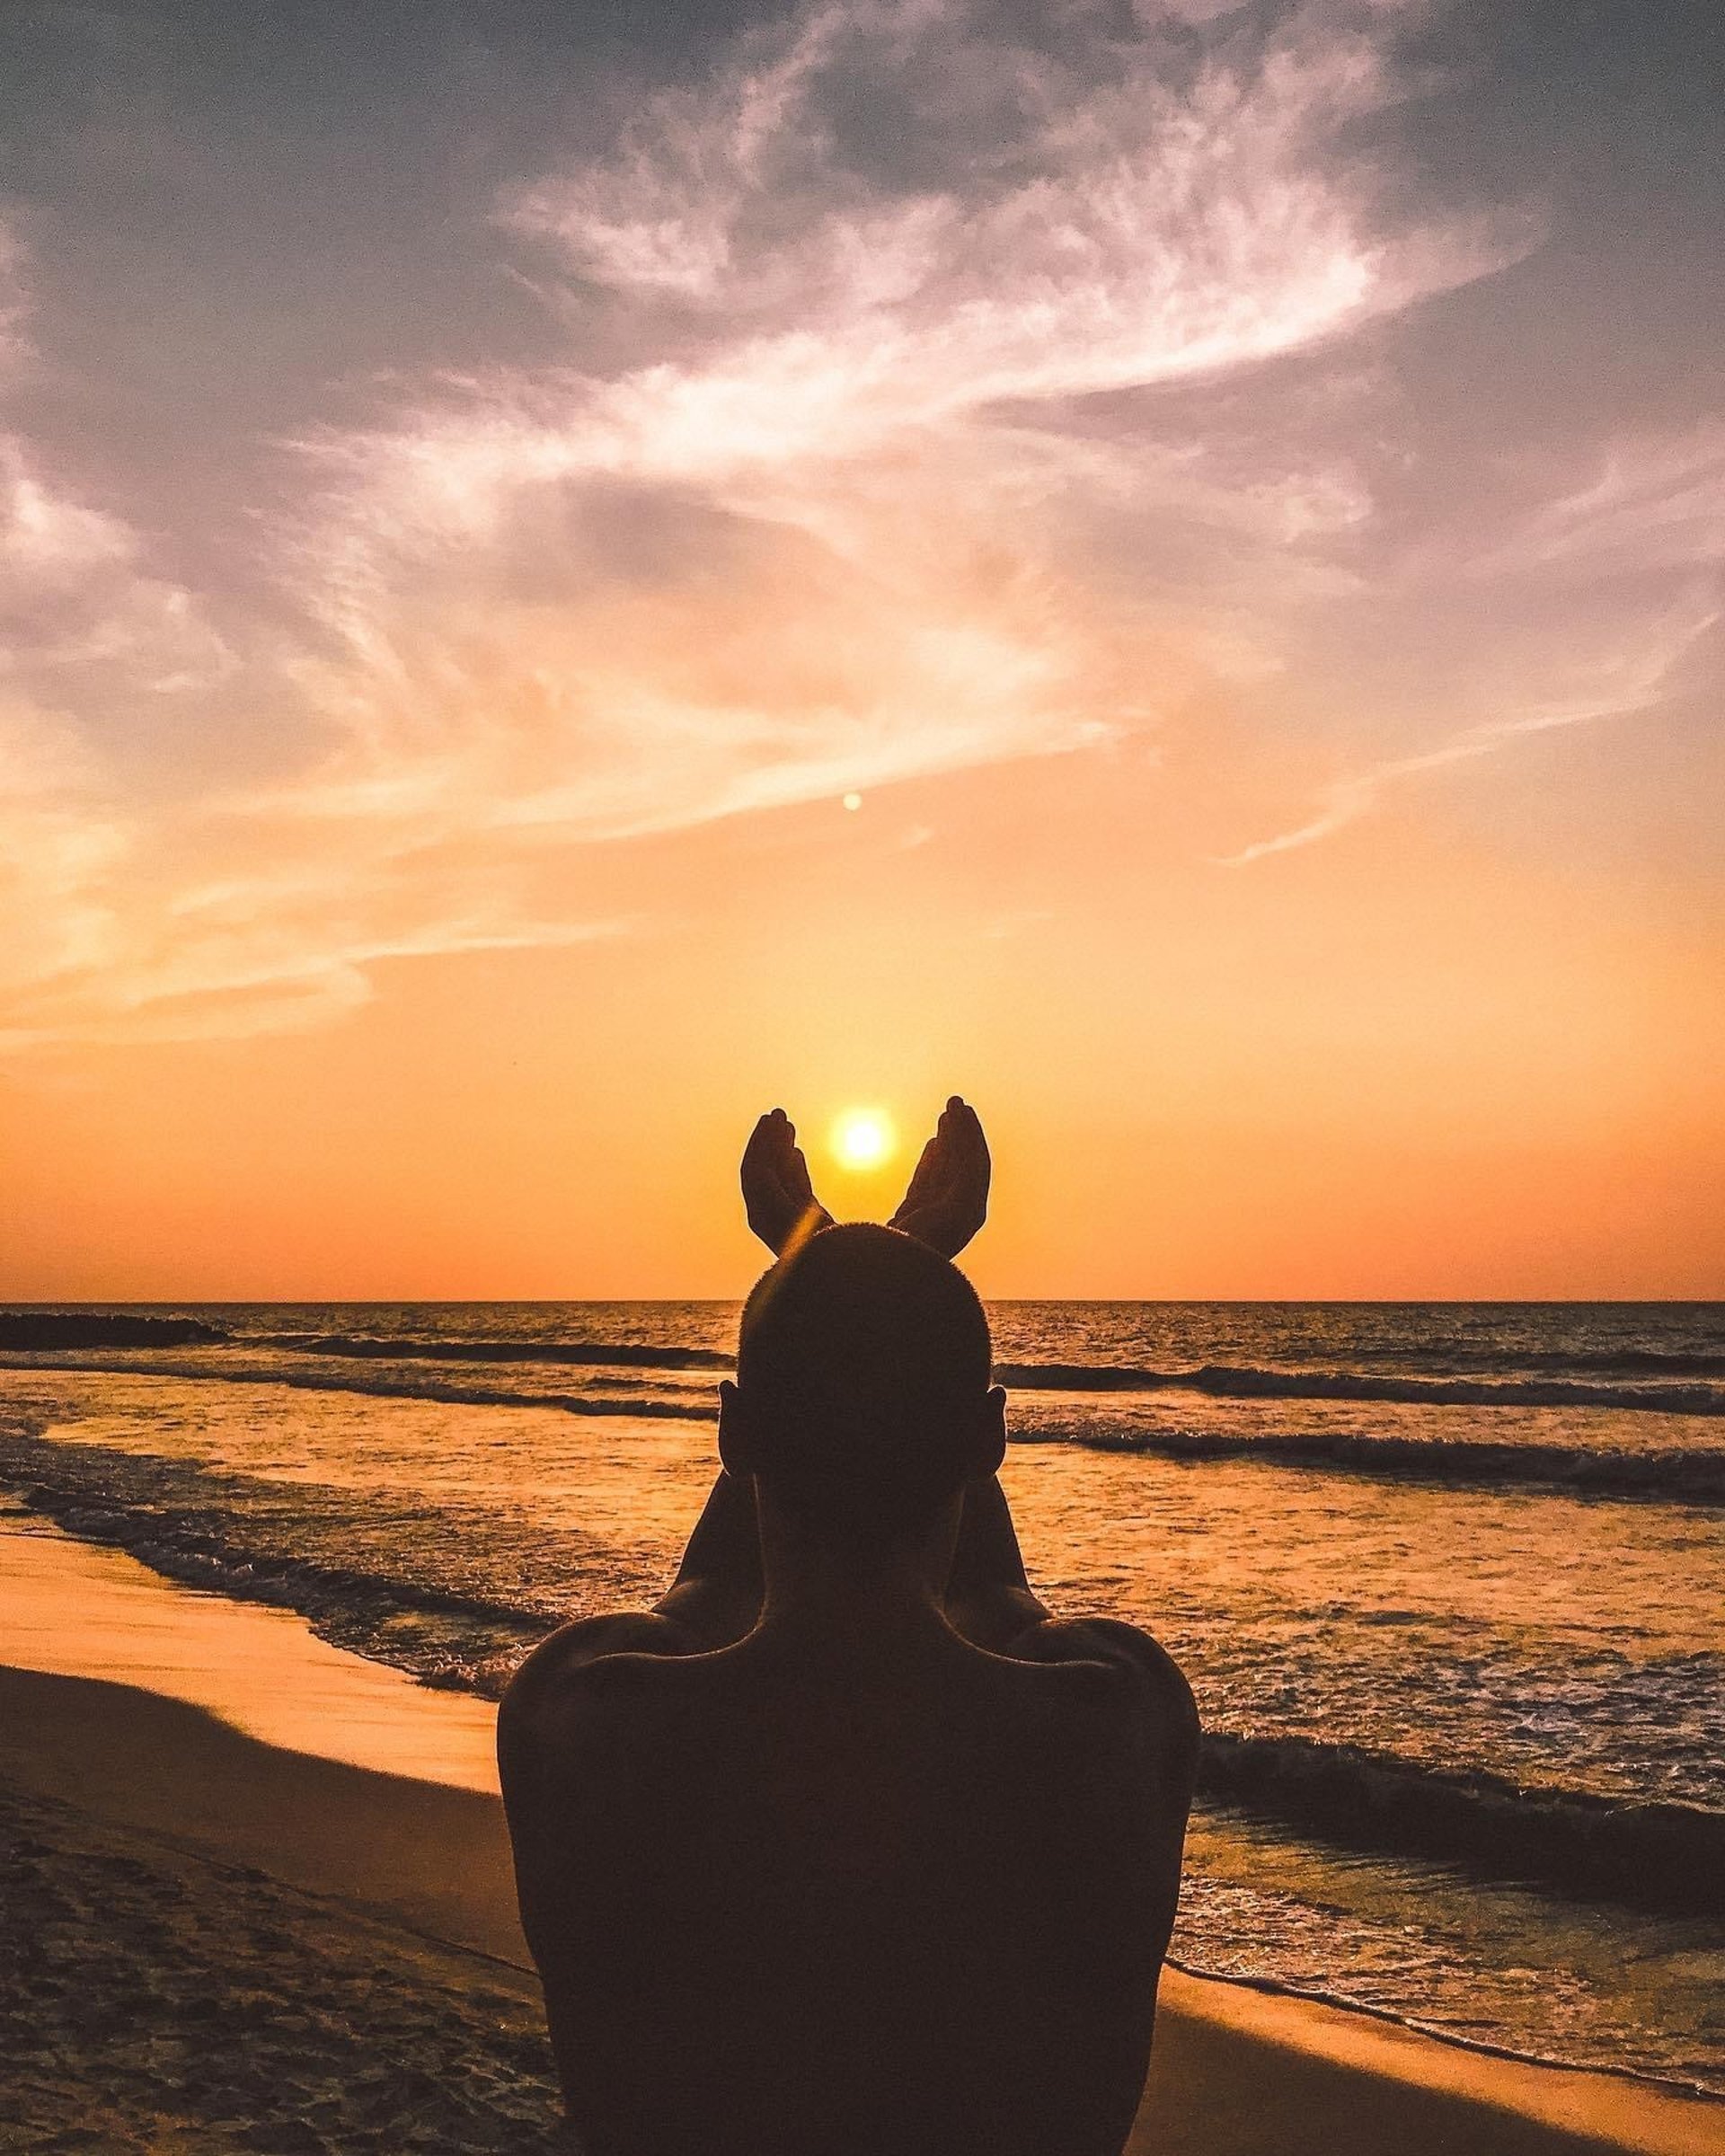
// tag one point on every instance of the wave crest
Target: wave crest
(1664, 1475)
(1231, 1381)
(50, 1331)
(626, 1355)
(1663, 1856)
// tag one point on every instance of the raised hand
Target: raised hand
(948, 1198)
(777, 1194)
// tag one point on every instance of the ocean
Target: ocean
(1447, 1579)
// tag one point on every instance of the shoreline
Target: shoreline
(233, 1736)
(1270, 1987)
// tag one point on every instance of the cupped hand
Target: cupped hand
(777, 1194)
(948, 1198)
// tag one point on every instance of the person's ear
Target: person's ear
(991, 1431)
(736, 1438)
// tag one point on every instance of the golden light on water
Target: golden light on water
(864, 1138)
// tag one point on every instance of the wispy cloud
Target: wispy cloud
(821, 525)
(1651, 502)
(1630, 679)
(59, 845)
(904, 423)
(1124, 216)
(1633, 553)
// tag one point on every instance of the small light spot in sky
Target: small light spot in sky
(853, 800)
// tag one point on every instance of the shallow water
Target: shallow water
(1466, 1722)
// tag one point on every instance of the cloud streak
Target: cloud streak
(1653, 515)
(921, 401)
(1351, 799)
(847, 468)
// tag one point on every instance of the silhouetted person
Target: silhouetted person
(849, 1848)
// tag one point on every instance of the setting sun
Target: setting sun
(864, 1138)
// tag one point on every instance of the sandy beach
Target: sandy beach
(234, 1922)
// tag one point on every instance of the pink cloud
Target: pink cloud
(862, 490)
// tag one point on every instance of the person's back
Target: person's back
(892, 1872)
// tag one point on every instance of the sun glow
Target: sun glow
(864, 1138)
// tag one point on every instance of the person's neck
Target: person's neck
(846, 1603)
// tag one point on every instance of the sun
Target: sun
(864, 1138)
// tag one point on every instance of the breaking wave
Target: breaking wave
(585, 1354)
(449, 1391)
(1665, 1474)
(1227, 1381)
(1665, 1856)
(51, 1331)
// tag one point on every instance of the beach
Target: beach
(234, 1922)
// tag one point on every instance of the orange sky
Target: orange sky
(1423, 1070)
(1286, 721)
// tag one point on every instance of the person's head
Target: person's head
(862, 1402)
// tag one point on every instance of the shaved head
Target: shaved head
(863, 1372)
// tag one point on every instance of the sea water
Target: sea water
(1447, 1581)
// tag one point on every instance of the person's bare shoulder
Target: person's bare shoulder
(557, 1689)
(1136, 1686)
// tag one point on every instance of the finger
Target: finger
(792, 1168)
(924, 1175)
(976, 1172)
(759, 1148)
(948, 1165)
(772, 1138)
(971, 1137)
(770, 1212)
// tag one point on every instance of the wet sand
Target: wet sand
(270, 1937)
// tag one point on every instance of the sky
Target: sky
(571, 574)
